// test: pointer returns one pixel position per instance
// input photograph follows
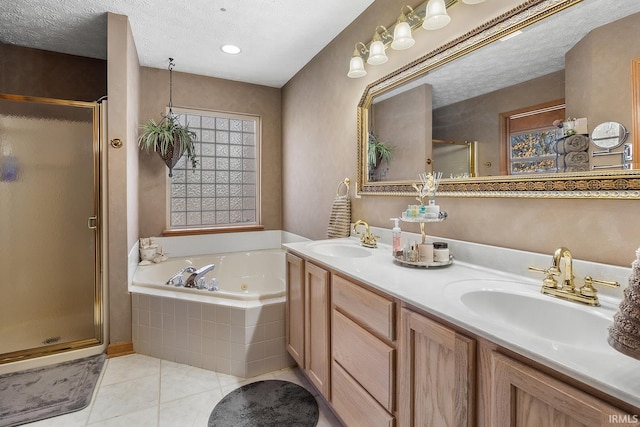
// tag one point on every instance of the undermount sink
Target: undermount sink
(522, 307)
(340, 249)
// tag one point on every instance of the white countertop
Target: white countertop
(604, 368)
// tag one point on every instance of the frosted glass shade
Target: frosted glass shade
(437, 16)
(356, 68)
(377, 55)
(402, 38)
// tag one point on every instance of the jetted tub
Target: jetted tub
(247, 276)
(237, 330)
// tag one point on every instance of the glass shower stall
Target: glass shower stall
(50, 241)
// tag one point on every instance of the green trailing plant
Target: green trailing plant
(167, 136)
(378, 150)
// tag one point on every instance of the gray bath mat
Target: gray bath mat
(271, 403)
(39, 393)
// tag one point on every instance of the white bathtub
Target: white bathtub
(237, 330)
(246, 276)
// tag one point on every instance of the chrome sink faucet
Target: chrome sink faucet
(192, 280)
(367, 239)
(586, 294)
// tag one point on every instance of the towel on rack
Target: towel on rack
(340, 218)
(572, 144)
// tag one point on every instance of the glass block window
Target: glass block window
(223, 190)
(532, 138)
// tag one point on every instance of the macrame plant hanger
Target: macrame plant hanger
(170, 115)
(175, 151)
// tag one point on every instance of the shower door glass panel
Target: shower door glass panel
(49, 283)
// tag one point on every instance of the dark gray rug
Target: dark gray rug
(39, 393)
(271, 403)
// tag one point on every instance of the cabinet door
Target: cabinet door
(436, 374)
(317, 327)
(525, 397)
(294, 308)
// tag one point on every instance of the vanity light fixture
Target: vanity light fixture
(437, 16)
(431, 15)
(402, 38)
(377, 49)
(356, 66)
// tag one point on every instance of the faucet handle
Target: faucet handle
(589, 291)
(549, 281)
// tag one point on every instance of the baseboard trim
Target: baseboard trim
(121, 348)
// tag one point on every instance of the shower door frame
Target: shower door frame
(99, 297)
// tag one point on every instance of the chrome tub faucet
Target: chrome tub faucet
(177, 279)
(194, 278)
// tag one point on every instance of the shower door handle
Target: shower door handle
(92, 222)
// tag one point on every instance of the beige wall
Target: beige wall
(599, 77)
(35, 72)
(319, 150)
(122, 199)
(199, 92)
(404, 121)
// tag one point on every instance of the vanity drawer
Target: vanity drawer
(366, 358)
(353, 403)
(371, 310)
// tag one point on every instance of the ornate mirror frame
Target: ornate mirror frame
(621, 184)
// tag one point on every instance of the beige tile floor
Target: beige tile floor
(142, 391)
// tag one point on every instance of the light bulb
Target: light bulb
(402, 38)
(356, 68)
(377, 55)
(437, 16)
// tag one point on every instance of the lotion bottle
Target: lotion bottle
(396, 234)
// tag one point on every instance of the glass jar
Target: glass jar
(440, 252)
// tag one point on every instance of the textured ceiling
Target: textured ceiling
(191, 31)
(538, 51)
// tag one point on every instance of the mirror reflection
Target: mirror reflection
(525, 104)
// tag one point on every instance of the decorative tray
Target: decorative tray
(418, 264)
(422, 220)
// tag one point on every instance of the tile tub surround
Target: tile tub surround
(618, 376)
(240, 341)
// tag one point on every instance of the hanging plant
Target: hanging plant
(170, 139)
(378, 151)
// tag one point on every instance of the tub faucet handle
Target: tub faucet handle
(213, 285)
(192, 281)
(177, 279)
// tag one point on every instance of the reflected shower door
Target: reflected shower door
(50, 297)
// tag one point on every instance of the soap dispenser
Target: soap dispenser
(396, 234)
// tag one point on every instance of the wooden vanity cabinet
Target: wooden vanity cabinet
(437, 371)
(294, 308)
(363, 355)
(523, 396)
(380, 365)
(308, 320)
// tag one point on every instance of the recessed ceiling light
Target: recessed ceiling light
(511, 35)
(230, 49)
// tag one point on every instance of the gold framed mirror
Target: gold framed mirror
(434, 83)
